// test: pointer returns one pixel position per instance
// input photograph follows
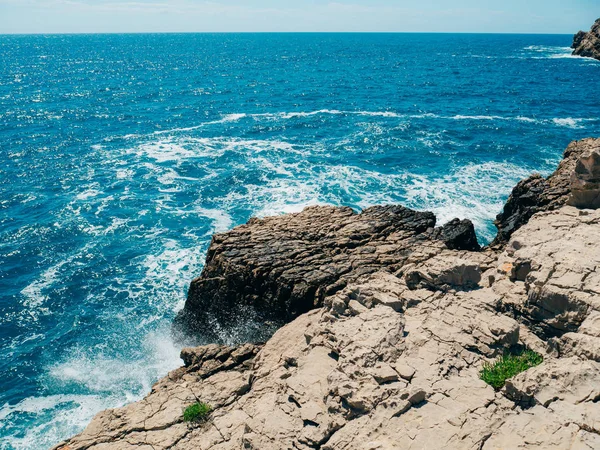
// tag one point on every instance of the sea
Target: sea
(121, 155)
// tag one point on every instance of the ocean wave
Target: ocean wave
(98, 373)
(221, 220)
(109, 382)
(176, 149)
(60, 416)
(225, 119)
(461, 117)
(391, 114)
(552, 52)
(569, 122)
(168, 151)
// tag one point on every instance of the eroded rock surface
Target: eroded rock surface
(390, 358)
(280, 267)
(536, 194)
(588, 44)
(585, 179)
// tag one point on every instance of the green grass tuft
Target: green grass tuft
(495, 374)
(198, 412)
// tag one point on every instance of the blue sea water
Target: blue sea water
(120, 156)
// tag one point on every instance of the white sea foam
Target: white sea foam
(177, 149)
(227, 118)
(168, 272)
(164, 150)
(292, 115)
(461, 117)
(70, 414)
(34, 293)
(97, 373)
(379, 114)
(568, 122)
(109, 382)
(552, 52)
(526, 119)
(476, 192)
(220, 219)
(87, 194)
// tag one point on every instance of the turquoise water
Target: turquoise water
(121, 155)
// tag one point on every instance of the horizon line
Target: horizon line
(83, 33)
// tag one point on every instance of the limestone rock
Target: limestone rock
(558, 258)
(585, 179)
(588, 44)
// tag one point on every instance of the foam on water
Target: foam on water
(475, 192)
(550, 52)
(569, 122)
(98, 373)
(220, 219)
(108, 382)
(62, 415)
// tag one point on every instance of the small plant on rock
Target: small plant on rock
(511, 363)
(198, 412)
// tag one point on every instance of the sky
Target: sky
(113, 16)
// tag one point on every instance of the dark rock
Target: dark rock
(459, 235)
(588, 44)
(578, 39)
(275, 269)
(537, 194)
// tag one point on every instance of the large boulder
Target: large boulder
(588, 44)
(274, 269)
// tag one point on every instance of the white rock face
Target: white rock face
(585, 179)
(384, 366)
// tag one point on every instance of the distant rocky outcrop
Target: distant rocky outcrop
(588, 44)
(389, 356)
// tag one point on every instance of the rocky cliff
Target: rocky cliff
(388, 321)
(588, 44)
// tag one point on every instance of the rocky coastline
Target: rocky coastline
(384, 322)
(587, 44)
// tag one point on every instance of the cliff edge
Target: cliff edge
(588, 43)
(388, 322)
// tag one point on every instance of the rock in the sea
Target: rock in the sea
(275, 269)
(588, 44)
(536, 194)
